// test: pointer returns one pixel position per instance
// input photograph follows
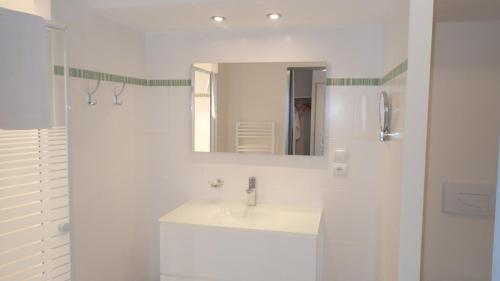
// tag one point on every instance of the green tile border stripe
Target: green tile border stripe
(202, 95)
(95, 75)
(352, 81)
(169, 83)
(58, 70)
(398, 70)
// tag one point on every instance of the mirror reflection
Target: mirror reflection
(259, 108)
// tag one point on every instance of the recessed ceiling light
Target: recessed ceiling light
(218, 18)
(274, 16)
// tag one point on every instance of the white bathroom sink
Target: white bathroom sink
(230, 241)
(282, 218)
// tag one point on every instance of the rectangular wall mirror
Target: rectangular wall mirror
(259, 108)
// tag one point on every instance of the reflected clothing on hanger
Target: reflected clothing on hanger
(297, 125)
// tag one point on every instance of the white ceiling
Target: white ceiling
(188, 15)
(185, 15)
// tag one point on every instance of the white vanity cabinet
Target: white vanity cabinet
(224, 241)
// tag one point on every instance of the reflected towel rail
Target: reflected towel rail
(255, 137)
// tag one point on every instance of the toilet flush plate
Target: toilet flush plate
(469, 199)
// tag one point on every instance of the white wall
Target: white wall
(108, 207)
(97, 43)
(463, 146)
(132, 164)
(350, 204)
(395, 42)
(276, 45)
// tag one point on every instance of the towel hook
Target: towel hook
(115, 96)
(90, 100)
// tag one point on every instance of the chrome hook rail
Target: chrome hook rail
(115, 96)
(90, 99)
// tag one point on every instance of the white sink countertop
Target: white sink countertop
(267, 217)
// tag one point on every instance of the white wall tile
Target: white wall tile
(348, 261)
(350, 214)
(350, 204)
(138, 157)
(366, 110)
(341, 105)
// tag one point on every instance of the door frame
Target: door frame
(495, 268)
(415, 138)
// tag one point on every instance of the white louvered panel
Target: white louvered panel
(12, 148)
(37, 278)
(30, 178)
(8, 137)
(60, 265)
(22, 264)
(26, 239)
(58, 240)
(61, 273)
(57, 192)
(29, 137)
(34, 201)
(29, 161)
(20, 238)
(20, 152)
(58, 214)
(21, 223)
(14, 144)
(33, 170)
(59, 251)
(32, 219)
(22, 252)
(33, 255)
(16, 190)
(13, 151)
(32, 155)
(26, 274)
(59, 202)
(20, 211)
(35, 248)
(63, 277)
(23, 199)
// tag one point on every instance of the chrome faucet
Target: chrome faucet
(251, 192)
